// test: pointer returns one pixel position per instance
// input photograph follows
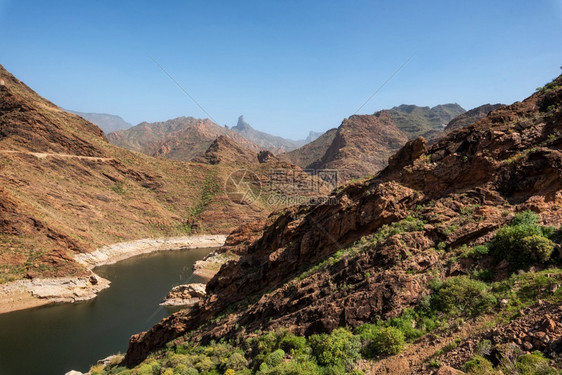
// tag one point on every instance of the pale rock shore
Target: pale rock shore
(24, 294)
(185, 295)
(123, 250)
(209, 266)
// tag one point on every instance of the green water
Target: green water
(52, 340)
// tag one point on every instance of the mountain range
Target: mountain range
(106, 122)
(266, 141)
(362, 144)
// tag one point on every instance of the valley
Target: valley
(280, 188)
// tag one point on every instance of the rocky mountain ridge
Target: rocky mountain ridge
(264, 140)
(367, 146)
(107, 122)
(182, 138)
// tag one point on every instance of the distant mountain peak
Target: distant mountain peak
(264, 140)
(242, 124)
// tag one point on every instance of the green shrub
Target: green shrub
(204, 364)
(188, 371)
(537, 248)
(291, 343)
(145, 369)
(267, 343)
(483, 348)
(475, 252)
(462, 295)
(405, 323)
(384, 341)
(338, 348)
(523, 241)
(534, 364)
(275, 359)
(237, 362)
(479, 365)
(303, 365)
(525, 218)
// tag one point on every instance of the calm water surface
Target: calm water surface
(52, 340)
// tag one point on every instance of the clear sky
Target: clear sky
(289, 66)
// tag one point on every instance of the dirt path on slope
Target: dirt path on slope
(43, 155)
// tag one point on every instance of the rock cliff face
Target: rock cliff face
(371, 252)
(225, 150)
(470, 117)
(362, 146)
(418, 121)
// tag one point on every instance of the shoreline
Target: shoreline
(209, 266)
(25, 294)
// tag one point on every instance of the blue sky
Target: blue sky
(288, 66)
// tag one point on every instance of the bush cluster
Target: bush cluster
(524, 241)
(463, 296)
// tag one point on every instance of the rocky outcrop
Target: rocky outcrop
(362, 146)
(266, 156)
(470, 117)
(184, 295)
(416, 121)
(226, 150)
(408, 154)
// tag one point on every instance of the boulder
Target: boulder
(184, 295)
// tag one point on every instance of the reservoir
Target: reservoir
(51, 340)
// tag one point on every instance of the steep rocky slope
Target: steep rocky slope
(182, 138)
(312, 152)
(225, 150)
(400, 240)
(106, 122)
(367, 146)
(361, 146)
(65, 190)
(263, 140)
(471, 116)
(418, 121)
